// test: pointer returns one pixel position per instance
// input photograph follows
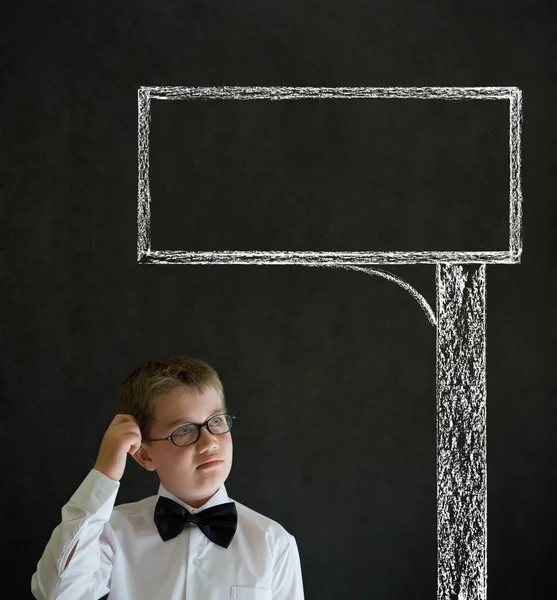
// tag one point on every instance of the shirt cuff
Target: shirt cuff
(96, 494)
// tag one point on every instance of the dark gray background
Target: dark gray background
(331, 374)
(335, 174)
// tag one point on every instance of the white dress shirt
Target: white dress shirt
(120, 551)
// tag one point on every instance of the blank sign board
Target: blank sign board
(329, 175)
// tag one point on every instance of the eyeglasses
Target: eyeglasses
(189, 433)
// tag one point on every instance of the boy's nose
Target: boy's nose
(206, 440)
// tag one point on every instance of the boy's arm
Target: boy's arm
(77, 561)
(287, 574)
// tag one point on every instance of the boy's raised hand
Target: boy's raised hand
(122, 437)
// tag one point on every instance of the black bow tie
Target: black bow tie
(218, 523)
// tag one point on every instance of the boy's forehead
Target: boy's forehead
(186, 404)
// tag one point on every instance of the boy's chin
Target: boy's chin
(210, 483)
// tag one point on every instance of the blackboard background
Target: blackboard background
(319, 350)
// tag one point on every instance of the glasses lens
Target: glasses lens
(187, 434)
(220, 424)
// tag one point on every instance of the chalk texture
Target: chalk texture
(461, 433)
(147, 256)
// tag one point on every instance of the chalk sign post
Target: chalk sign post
(459, 318)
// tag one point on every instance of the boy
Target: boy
(191, 541)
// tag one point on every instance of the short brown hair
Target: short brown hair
(138, 393)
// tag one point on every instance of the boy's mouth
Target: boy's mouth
(212, 462)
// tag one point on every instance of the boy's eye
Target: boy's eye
(185, 430)
(215, 421)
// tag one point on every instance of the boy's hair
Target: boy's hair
(138, 393)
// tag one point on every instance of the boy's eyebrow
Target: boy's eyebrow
(218, 411)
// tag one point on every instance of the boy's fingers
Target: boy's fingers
(133, 449)
(120, 423)
(128, 430)
(122, 418)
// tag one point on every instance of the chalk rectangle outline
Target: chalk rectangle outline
(145, 254)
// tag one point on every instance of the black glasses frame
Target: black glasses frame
(199, 426)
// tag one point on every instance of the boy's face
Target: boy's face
(179, 467)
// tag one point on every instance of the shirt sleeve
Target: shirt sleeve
(85, 522)
(287, 574)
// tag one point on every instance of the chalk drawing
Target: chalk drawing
(461, 432)
(147, 255)
(400, 282)
(460, 318)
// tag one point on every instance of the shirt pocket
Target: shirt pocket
(250, 593)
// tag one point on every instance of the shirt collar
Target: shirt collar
(219, 498)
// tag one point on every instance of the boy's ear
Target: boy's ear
(143, 458)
